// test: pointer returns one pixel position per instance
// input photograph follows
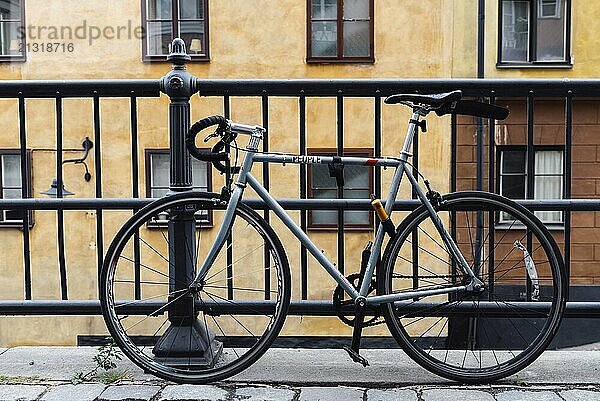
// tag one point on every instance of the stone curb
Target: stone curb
(162, 391)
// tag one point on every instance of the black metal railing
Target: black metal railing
(302, 89)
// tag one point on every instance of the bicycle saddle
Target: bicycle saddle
(434, 100)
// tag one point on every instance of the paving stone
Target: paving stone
(580, 395)
(394, 394)
(79, 392)
(331, 394)
(520, 395)
(129, 392)
(20, 392)
(266, 393)
(449, 394)
(190, 392)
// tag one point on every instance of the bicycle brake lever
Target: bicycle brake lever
(213, 135)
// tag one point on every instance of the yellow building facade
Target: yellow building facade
(247, 39)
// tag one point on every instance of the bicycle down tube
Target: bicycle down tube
(246, 178)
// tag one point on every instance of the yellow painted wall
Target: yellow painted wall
(585, 23)
(248, 39)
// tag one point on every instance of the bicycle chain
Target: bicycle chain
(377, 319)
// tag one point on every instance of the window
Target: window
(549, 9)
(158, 177)
(12, 32)
(358, 184)
(534, 32)
(165, 20)
(340, 30)
(547, 181)
(11, 186)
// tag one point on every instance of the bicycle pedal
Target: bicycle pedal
(355, 356)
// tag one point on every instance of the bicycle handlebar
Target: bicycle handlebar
(216, 155)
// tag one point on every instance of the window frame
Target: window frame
(340, 58)
(534, 15)
(23, 41)
(358, 152)
(557, 10)
(28, 188)
(536, 148)
(208, 223)
(175, 31)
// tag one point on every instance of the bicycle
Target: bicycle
(475, 303)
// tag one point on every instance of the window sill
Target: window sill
(324, 60)
(15, 59)
(507, 226)
(335, 229)
(15, 224)
(163, 59)
(541, 65)
(160, 225)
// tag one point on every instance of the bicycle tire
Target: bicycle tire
(244, 331)
(464, 350)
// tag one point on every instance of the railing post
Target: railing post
(187, 341)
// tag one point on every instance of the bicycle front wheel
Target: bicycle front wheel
(194, 335)
(475, 336)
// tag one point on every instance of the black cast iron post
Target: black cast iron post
(187, 341)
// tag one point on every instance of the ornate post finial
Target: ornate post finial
(178, 55)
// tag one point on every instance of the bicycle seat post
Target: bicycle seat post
(413, 123)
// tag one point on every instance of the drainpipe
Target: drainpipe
(480, 132)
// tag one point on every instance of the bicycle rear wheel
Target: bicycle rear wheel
(473, 336)
(182, 334)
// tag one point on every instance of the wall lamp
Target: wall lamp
(53, 190)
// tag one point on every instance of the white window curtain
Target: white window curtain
(549, 182)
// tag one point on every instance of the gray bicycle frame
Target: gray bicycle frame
(246, 178)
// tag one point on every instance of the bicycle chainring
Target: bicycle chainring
(339, 302)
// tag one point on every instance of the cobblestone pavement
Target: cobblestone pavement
(45, 373)
(160, 391)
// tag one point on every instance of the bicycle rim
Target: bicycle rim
(473, 336)
(228, 324)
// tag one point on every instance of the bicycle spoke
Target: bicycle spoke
(141, 282)
(211, 295)
(235, 261)
(462, 344)
(157, 330)
(212, 355)
(240, 323)
(239, 288)
(499, 242)
(149, 298)
(422, 267)
(151, 269)
(155, 251)
(155, 313)
(431, 254)
(443, 248)
(261, 269)
(470, 237)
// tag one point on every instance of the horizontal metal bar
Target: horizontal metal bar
(384, 87)
(302, 87)
(287, 203)
(80, 88)
(298, 308)
(132, 203)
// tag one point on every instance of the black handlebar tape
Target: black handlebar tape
(217, 162)
(215, 155)
(471, 108)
